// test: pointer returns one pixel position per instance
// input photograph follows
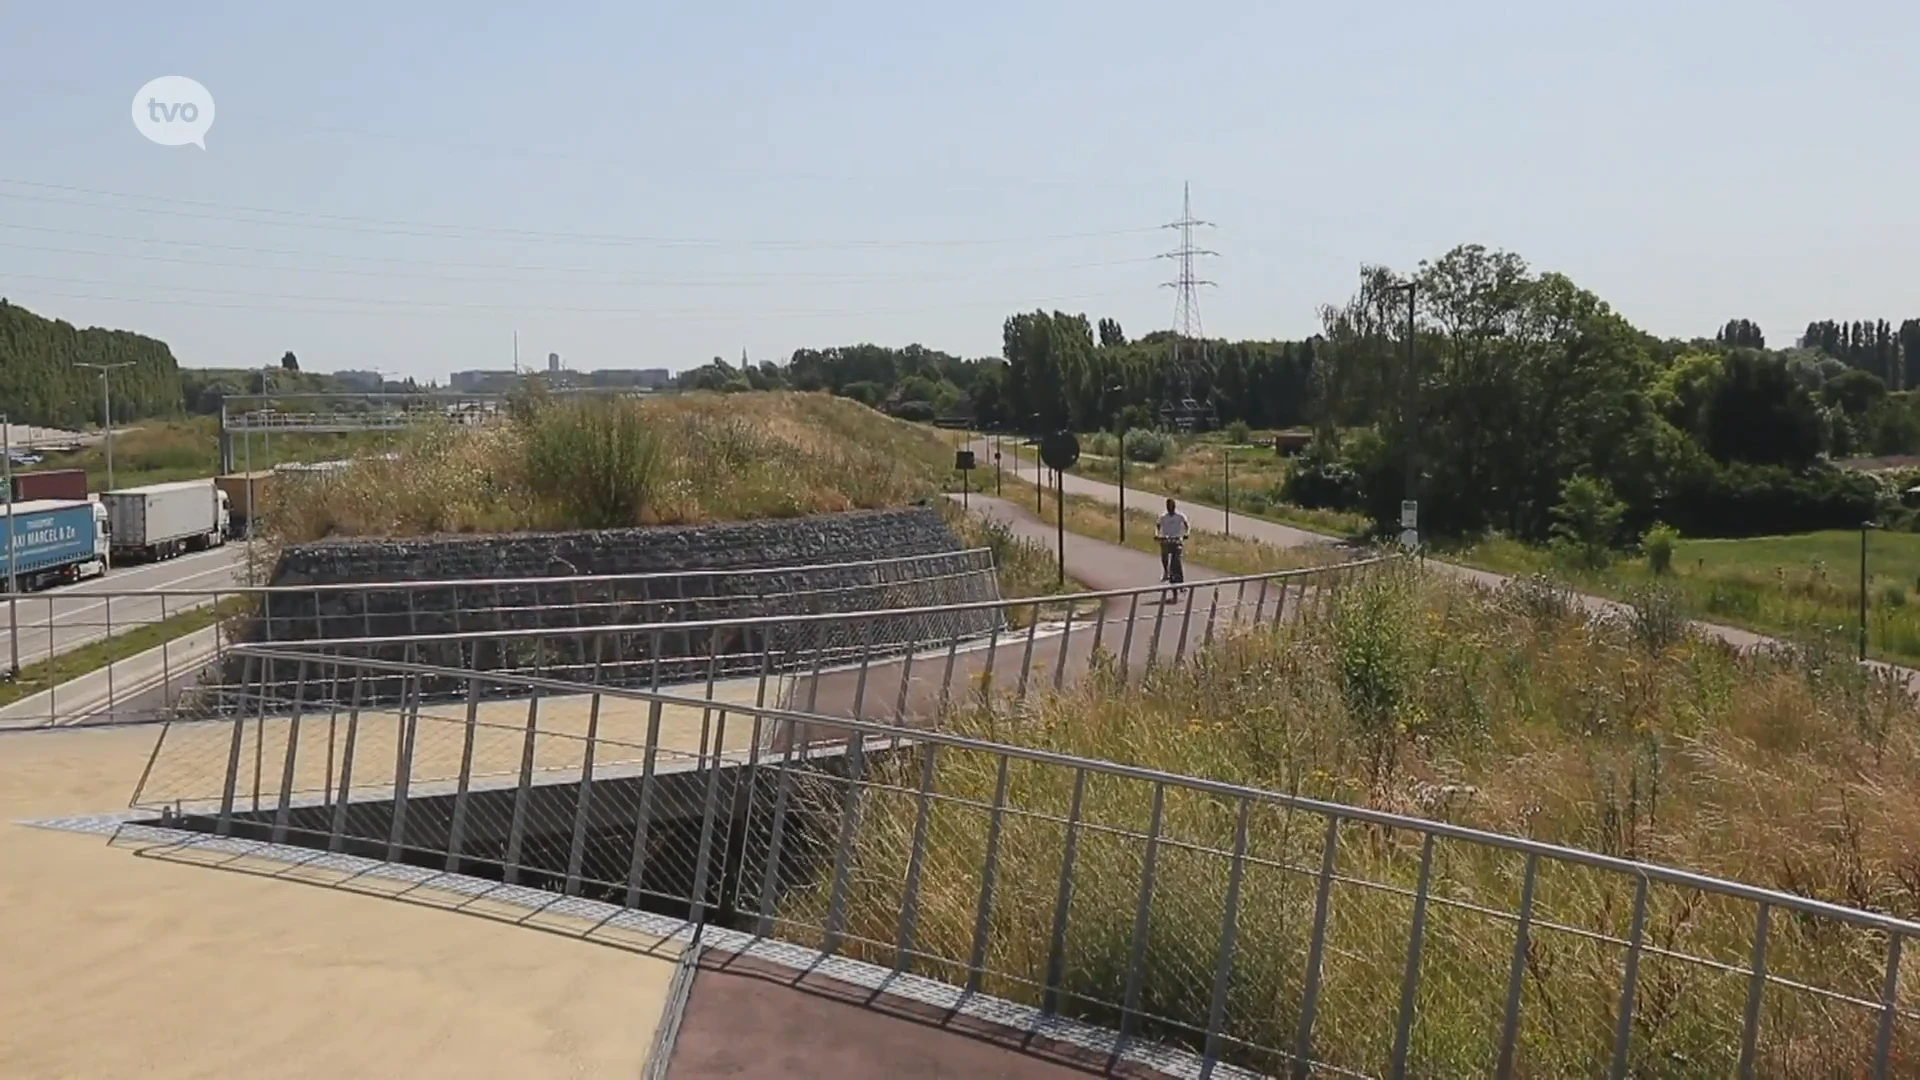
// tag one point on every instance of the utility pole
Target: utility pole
(1411, 407)
(13, 580)
(106, 407)
(1120, 425)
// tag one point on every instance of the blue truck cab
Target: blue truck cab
(53, 541)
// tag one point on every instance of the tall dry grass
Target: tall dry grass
(681, 459)
(1510, 712)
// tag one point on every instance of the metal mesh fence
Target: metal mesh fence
(1268, 932)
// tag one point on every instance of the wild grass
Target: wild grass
(680, 459)
(1512, 712)
(1795, 587)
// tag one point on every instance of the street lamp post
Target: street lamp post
(1411, 406)
(13, 580)
(1120, 425)
(1864, 526)
(106, 407)
(1039, 478)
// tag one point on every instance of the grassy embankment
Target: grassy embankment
(1509, 712)
(1792, 587)
(45, 674)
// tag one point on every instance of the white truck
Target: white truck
(159, 521)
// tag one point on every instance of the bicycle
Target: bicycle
(1173, 570)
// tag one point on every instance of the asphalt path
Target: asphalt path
(58, 619)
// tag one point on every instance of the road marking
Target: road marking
(69, 613)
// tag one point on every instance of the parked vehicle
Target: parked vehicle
(160, 521)
(50, 484)
(248, 496)
(55, 541)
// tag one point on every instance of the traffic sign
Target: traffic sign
(1409, 514)
(1060, 450)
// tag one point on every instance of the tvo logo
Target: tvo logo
(174, 110)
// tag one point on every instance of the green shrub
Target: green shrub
(1145, 445)
(1659, 544)
(1587, 521)
(1238, 433)
(1103, 444)
(599, 462)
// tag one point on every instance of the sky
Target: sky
(406, 187)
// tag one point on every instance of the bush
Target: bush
(1587, 521)
(1659, 544)
(1765, 500)
(599, 463)
(1319, 480)
(1238, 433)
(1145, 445)
(1103, 444)
(919, 412)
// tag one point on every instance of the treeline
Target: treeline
(202, 388)
(1889, 354)
(41, 382)
(1536, 410)
(1056, 370)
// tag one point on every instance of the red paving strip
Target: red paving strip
(748, 1018)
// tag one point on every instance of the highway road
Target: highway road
(56, 620)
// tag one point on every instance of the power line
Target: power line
(435, 307)
(616, 277)
(393, 226)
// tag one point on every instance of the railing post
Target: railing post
(1223, 959)
(1063, 899)
(1026, 658)
(1142, 914)
(1756, 986)
(1517, 970)
(1623, 1024)
(1316, 952)
(583, 804)
(457, 832)
(1126, 640)
(337, 834)
(407, 727)
(1410, 980)
(1889, 1008)
(230, 790)
(910, 901)
(1066, 640)
(285, 808)
(990, 866)
(637, 864)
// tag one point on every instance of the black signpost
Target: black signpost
(1060, 451)
(963, 461)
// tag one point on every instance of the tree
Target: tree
(1111, 335)
(289, 363)
(1586, 523)
(1854, 391)
(1742, 334)
(1761, 415)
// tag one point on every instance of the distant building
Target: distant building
(366, 382)
(500, 382)
(553, 363)
(483, 382)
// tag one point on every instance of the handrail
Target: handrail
(838, 616)
(1335, 811)
(504, 582)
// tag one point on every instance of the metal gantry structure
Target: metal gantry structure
(1187, 359)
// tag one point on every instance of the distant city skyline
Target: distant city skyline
(403, 187)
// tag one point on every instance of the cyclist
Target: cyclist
(1171, 530)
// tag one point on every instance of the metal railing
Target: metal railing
(163, 642)
(1260, 931)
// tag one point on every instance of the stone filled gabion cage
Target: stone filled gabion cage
(507, 595)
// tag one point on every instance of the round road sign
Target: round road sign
(1060, 450)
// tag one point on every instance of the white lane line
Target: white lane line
(64, 615)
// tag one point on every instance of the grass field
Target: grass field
(1511, 712)
(1797, 587)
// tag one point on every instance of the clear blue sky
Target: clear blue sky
(645, 184)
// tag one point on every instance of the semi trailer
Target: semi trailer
(159, 521)
(70, 484)
(54, 541)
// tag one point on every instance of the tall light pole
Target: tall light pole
(1120, 425)
(1411, 407)
(106, 407)
(13, 580)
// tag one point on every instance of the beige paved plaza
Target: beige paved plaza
(115, 963)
